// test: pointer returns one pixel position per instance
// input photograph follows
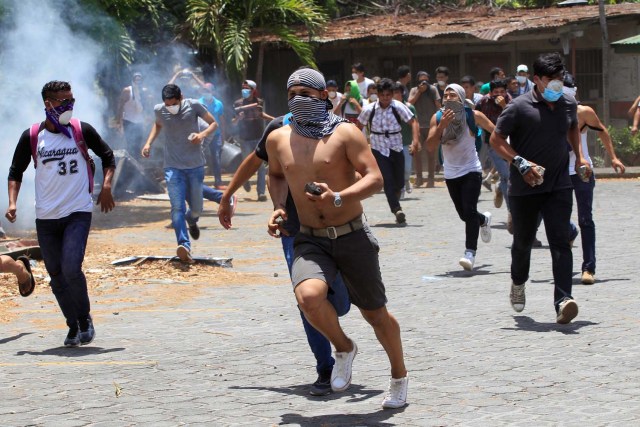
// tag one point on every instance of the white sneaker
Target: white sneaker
(467, 260)
(402, 194)
(396, 396)
(184, 254)
(517, 297)
(485, 230)
(341, 374)
(407, 187)
(567, 311)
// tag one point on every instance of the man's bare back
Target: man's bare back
(333, 161)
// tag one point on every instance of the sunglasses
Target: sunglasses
(64, 102)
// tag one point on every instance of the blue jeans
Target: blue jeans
(339, 298)
(216, 153)
(555, 208)
(184, 187)
(502, 167)
(63, 242)
(247, 148)
(584, 201)
(211, 194)
(408, 158)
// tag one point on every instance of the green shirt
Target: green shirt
(407, 129)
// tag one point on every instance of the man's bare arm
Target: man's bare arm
(245, 171)
(14, 189)
(483, 121)
(634, 108)
(593, 121)
(360, 156)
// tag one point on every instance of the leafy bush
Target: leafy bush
(626, 146)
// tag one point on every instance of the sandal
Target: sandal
(26, 288)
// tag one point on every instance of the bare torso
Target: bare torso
(326, 161)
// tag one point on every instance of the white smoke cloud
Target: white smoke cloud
(38, 47)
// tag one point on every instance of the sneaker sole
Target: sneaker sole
(183, 254)
(465, 264)
(320, 392)
(394, 405)
(568, 314)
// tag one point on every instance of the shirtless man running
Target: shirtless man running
(320, 148)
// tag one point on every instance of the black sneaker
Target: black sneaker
(194, 231)
(73, 338)
(322, 386)
(87, 331)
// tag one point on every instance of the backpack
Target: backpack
(77, 137)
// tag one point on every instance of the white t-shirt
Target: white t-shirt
(62, 180)
(363, 85)
(336, 101)
(460, 158)
(585, 154)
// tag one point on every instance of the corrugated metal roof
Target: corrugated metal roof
(481, 23)
(629, 41)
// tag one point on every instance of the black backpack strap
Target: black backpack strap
(373, 113)
(395, 113)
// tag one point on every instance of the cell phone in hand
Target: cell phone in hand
(313, 188)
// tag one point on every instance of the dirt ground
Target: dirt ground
(117, 235)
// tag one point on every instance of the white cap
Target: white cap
(251, 84)
(522, 67)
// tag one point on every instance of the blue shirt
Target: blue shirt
(216, 108)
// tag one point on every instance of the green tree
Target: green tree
(226, 25)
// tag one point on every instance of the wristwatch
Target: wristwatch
(337, 200)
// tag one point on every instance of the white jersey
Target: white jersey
(62, 180)
(460, 158)
(585, 154)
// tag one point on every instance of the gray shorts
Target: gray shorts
(354, 254)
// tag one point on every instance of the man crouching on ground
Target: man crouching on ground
(322, 149)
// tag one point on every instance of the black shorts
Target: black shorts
(354, 254)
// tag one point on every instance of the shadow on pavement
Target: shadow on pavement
(373, 419)
(477, 271)
(15, 337)
(70, 351)
(394, 225)
(526, 323)
(355, 393)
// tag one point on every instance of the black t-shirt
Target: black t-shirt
(539, 134)
(293, 222)
(252, 125)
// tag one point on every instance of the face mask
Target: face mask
(332, 94)
(373, 97)
(60, 117)
(173, 109)
(246, 93)
(442, 83)
(354, 76)
(521, 79)
(455, 106)
(553, 91)
(308, 111)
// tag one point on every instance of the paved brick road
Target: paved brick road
(237, 355)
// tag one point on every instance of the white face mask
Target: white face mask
(65, 117)
(442, 83)
(332, 94)
(173, 109)
(354, 76)
(373, 97)
(521, 79)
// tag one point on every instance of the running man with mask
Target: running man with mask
(317, 158)
(455, 128)
(64, 203)
(184, 161)
(539, 124)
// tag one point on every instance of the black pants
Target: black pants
(392, 169)
(464, 192)
(555, 208)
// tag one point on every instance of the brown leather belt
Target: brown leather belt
(334, 232)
